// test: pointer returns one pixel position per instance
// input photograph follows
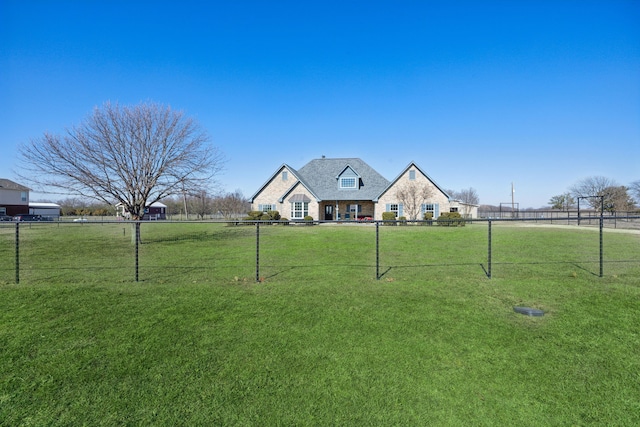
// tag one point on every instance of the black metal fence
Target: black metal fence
(118, 250)
(574, 217)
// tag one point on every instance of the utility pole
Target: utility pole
(184, 198)
(513, 204)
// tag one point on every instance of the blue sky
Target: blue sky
(480, 94)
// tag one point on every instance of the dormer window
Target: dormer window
(348, 179)
(348, 182)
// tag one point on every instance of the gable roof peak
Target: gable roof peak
(12, 185)
(426, 175)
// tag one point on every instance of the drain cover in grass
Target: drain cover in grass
(528, 311)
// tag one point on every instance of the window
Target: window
(394, 208)
(266, 208)
(3, 211)
(299, 209)
(428, 208)
(354, 208)
(23, 196)
(453, 209)
(285, 175)
(432, 208)
(348, 182)
(412, 175)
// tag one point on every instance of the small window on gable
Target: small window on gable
(285, 175)
(348, 182)
(23, 196)
(412, 175)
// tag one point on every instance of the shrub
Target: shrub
(255, 215)
(451, 219)
(389, 216)
(308, 219)
(403, 220)
(262, 216)
(275, 215)
(428, 216)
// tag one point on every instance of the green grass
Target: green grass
(319, 341)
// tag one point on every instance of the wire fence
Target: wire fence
(164, 251)
(623, 220)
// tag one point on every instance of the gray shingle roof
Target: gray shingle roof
(10, 185)
(321, 176)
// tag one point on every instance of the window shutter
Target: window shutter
(437, 211)
(400, 210)
(388, 208)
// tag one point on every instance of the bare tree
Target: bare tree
(452, 193)
(232, 204)
(469, 196)
(175, 205)
(200, 203)
(412, 196)
(634, 188)
(592, 186)
(132, 155)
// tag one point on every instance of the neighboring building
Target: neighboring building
(467, 210)
(154, 211)
(45, 210)
(339, 189)
(14, 198)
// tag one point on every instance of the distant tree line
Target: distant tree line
(232, 205)
(599, 192)
(76, 206)
(199, 205)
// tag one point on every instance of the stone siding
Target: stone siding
(274, 190)
(389, 197)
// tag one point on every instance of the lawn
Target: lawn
(318, 340)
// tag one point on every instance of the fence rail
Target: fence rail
(121, 246)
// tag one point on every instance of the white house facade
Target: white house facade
(349, 189)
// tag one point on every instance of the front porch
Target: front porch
(346, 210)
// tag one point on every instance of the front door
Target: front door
(328, 212)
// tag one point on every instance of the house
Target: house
(14, 198)
(153, 211)
(348, 188)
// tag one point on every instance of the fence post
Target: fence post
(489, 253)
(137, 243)
(257, 251)
(601, 254)
(377, 250)
(17, 252)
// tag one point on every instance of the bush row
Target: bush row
(446, 219)
(265, 216)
